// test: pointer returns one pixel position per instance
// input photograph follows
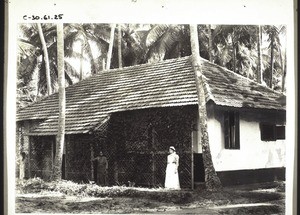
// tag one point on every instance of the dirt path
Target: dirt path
(251, 199)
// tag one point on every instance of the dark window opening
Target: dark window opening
(232, 130)
(280, 132)
(271, 132)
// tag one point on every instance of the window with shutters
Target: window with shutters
(232, 130)
(272, 132)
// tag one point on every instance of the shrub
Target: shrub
(33, 185)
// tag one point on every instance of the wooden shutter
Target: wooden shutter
(226, 129)
(237, 130)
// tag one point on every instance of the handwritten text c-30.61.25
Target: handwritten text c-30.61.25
(43, 17)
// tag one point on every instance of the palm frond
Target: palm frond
(71, 71)
(155, 34)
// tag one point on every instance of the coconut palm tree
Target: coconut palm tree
(90, 37)
(166, 41)
(133, 50)
(272, 32)
(120, 46)
(46, 58)
(284, 74)
(233, 45)
(275, 54)
(128, 48)
(210, 43)
(60, 138)
(111, 44)
(211, 179)
(172, 41)
(259, 54)
(32, 63)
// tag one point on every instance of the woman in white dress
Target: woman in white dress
(172, 178)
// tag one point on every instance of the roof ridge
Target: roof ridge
(145, 64)
(241, 76)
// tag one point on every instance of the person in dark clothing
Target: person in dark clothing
(102, 166)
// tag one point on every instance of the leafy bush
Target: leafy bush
(33, 185)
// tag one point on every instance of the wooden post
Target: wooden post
(116, 173)
(192, 161)
(92, 163)
(153, 157)
(29, 157)
(53, 153)
(116, 168)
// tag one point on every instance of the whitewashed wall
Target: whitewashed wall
(253, 153)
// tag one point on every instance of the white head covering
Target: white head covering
(172, 147)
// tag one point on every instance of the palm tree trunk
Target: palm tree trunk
(22, 154)
(81, 61)
(211, 179)
(210, 43)
(92, 62)
(60, 138)
(46, 58)
(284, 73)
(120, 45)
(234, 57)
(271, 63)
(259, 55)
(111, 44)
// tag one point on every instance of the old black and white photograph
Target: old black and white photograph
(150, 117)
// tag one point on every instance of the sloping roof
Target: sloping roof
(164, 84)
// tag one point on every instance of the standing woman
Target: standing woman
(172, 178)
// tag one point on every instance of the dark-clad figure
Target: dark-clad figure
(102, 166)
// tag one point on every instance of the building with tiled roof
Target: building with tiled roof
(245, 121)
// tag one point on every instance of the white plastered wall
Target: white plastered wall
(253, 153)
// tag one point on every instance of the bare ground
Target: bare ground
(267, 198)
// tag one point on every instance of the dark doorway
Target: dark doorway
(199, 175)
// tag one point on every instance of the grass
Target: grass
(37, 185)
(36, 195)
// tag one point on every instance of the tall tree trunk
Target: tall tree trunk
(46, 58)
(271, 63)
(92, 62)
(210, 43)
(211, 179)
(284, 74)
(234, 56)
(22, 154)
(111, 44)
(120, 45)
(259, 55)
(60, 138)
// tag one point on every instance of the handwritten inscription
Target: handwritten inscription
(43, 17)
